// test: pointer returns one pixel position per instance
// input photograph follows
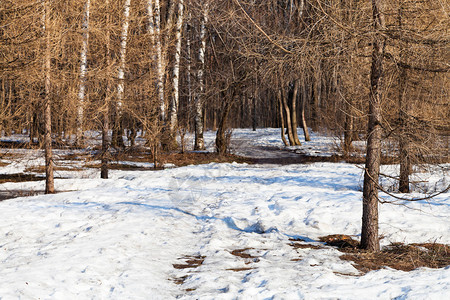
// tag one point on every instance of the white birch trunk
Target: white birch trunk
(189, 60)
(151, 23)
(83, 71)
(199, 141)
(123, 55)
(159, 62)
(176, 68)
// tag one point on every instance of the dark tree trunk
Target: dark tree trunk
(222, 140)
(348, 128)
(369, 233)
(302, 112)
(49, 180)
(105, 147)
(317, 91)
(404, 144)
(294, 113)
(254, 120)
(283, 137)
(106, 121)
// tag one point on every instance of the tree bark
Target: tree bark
(280, 103)
(302, 113)
(404, 144)
(222, 141)
(317, 90)
(288, 118)
(199, 143)
(159, 62)
(83, 71)
(348, 127)
(294, 114)
(117, 137)
(176, 70)
(369, 233)
(106, 121)
(49, 179)
(188, 71)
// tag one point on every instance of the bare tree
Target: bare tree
(49, 181)
(369, 232)
(107, 101)
(117, 130)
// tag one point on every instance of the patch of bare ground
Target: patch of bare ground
(177, 159)
(190, 262)
(121, 166)
(19, 145)
(301, 244)
(19, 177)
(190, 158)
(341, 241)
(41, 169)
(244, 253)
(10, 194)
(298, 243)
(396, 256)
(239, 269)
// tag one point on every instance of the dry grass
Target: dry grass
(340, 241)
(400, 257)
(396, 256)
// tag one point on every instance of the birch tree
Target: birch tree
(117, 133)
(176, 69)
(83, 71)
(159, 62)
(199, 143)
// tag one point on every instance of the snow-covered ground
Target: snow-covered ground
(120, 238)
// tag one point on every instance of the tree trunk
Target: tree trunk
(49, 180)
(369, 233)
(254, 99)
(188, 71)
(199, 143)
(294, 114)
(176, 71)
(288, 119)
(404, 144)
(118, 129)
(83, 71)
(222, 140)
(280, 102)
(348, 126)
(302, 112)
(105, 128)
(317, 90)
(159, 62)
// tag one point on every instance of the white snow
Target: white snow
(119, 238)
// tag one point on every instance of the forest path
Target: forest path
(264, 146)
